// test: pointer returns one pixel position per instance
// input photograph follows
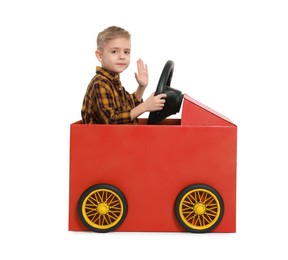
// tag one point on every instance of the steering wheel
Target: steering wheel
(165, 78)
(173, 99)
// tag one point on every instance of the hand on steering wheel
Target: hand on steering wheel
(173, 96)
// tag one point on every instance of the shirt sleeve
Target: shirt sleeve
(109, 113)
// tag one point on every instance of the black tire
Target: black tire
(102, 208)
(199, 208)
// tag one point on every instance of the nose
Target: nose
(121, 56)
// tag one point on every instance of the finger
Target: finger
(163, 95)
(140, 64)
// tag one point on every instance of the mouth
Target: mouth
(121, 64)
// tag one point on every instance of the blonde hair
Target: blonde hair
(110, 33)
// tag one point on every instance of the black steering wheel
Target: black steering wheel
(173, 99)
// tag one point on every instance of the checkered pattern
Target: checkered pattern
(106, 101)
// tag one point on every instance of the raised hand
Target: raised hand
(142, 75)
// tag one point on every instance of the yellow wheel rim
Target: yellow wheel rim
(102, 209)
(199, 209)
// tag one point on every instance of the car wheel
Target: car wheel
(102, 208)
(199, 208)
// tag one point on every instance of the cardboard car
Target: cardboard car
(162, 175)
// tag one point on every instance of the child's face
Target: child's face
(115, 56)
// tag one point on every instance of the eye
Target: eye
(127, 52)
(114, 51)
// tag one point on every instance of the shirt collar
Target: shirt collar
(109, 74)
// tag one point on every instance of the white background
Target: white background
(230, 55)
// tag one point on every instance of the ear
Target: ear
(98, 55)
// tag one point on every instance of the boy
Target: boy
(106, 101)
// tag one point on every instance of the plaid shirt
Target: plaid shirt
(106, 101)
